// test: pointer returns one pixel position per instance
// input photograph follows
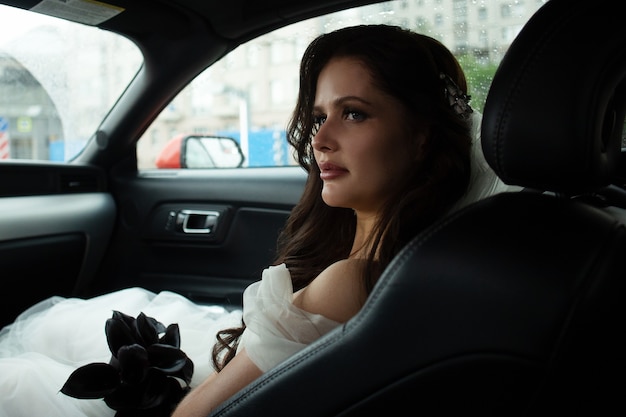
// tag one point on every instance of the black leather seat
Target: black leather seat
(514, 305)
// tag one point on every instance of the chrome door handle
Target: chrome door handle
(197, 221)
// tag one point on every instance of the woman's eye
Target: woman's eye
(318, 121)
(354, 115)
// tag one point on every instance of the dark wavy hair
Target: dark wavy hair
(407, 66)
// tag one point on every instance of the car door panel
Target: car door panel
(150, 249)
(38, 267)
(51, 239)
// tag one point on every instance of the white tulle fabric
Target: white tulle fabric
(51, 339)
(483, 181)
(275, 328)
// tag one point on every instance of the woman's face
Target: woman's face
(364, 144)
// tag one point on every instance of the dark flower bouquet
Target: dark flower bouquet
(144, 373)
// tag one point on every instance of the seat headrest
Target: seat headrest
(554, 115)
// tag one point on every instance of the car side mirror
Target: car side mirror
(201, 151)
(211, 152)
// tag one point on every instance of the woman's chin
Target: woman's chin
(332, 199)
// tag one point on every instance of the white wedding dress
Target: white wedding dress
(50, 340)
(40, 350)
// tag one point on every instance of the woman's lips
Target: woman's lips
(330, 171)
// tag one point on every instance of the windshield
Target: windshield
(58, 79)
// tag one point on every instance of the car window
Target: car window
(250, 93)
(57, 82)
(54, 94)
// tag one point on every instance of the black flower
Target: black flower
(144, 373)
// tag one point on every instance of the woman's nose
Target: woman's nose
(323, 140)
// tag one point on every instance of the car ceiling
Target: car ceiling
(231, 20)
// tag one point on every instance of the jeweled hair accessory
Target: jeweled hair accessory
(457, 99)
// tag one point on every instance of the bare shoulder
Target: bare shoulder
(337, 293)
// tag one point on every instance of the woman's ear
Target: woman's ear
(419, 144)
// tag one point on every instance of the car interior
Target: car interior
(512, 305)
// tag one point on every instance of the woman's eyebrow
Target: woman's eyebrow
(342, 100)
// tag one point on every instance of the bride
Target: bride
(383, 127)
